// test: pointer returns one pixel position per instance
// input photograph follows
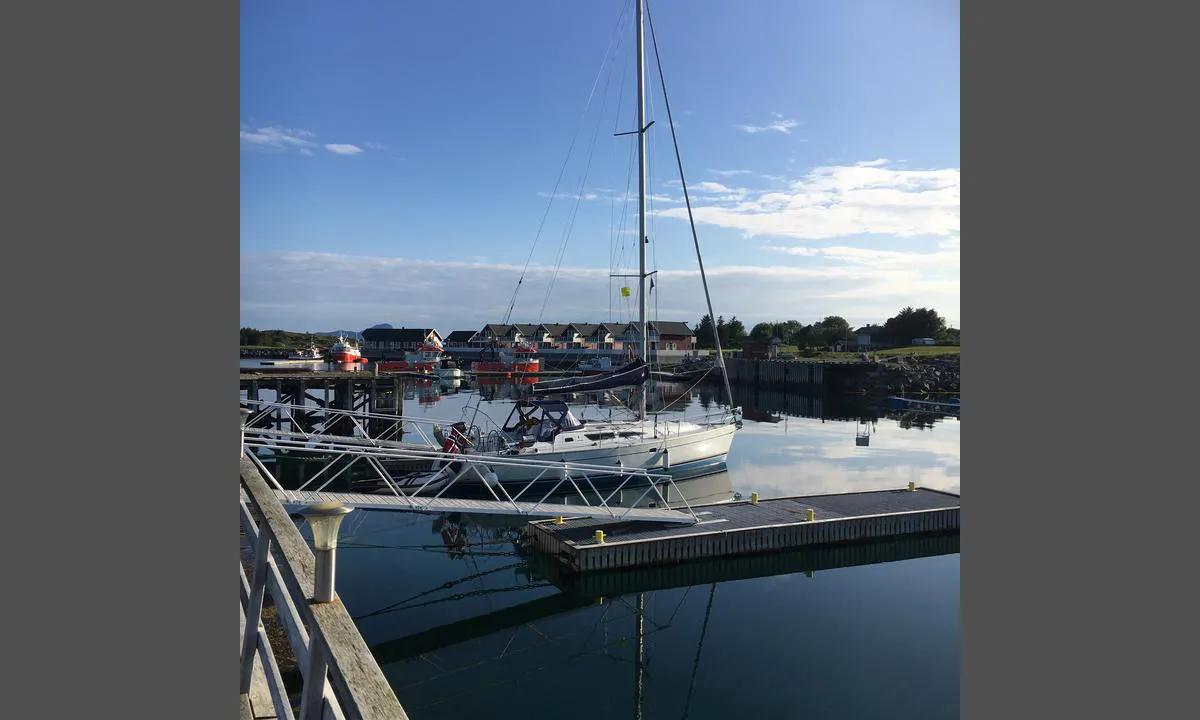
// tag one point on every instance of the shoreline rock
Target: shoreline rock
(906, 375)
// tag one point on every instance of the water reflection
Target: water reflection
(463, 619)
(489, 628)
(789, 444)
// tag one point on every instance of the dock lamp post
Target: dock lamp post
(324, 518)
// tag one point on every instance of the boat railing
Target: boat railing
(388, 427)
(671, 424)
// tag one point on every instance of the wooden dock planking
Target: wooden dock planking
(659, 516)
(744, 528)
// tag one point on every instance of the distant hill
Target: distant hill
(382, 326)
(341, 333)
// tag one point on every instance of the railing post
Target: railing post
(245, 415)
(254, 605)
(324, 519)
(312, 701)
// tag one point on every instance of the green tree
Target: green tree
(762, 331)
(806, 336)
(705, 335)
(786, 331)
(833, 328)
(732, 332)
(909, 324)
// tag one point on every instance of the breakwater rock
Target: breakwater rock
(908, 375)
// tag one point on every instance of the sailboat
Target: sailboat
(546, 429)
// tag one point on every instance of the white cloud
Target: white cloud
(300, 290)
(709, 187)
(778, 123)
(948, 259)
(729, 173)
(607, 195)
(870, 197)
(277, 138)
(570, 196)
(343, 149)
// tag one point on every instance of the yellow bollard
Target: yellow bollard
(599, 536)
(809, 515)
(753, 498)
(558, 520)
(912, 486)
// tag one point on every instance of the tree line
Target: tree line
(250, 337)
(898, 330)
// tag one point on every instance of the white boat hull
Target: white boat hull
(660, 453)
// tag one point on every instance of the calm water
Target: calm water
(463, 624)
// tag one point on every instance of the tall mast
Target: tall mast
(642, 239)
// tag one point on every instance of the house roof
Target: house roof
(461, 335)
(672, 327)
(497, 330)
(662, 327)
(398, 334)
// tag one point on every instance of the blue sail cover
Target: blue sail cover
(630, 374)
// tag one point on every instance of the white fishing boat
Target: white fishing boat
(311, 353)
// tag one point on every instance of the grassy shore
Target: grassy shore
(919, 351)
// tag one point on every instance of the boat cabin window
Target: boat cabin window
(601, 436)
(526, 416)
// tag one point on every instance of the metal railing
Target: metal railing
(341, 680)
(487, 438)
(449, 469)
(393, 425)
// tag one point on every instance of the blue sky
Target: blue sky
(400, 162)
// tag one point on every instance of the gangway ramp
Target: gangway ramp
(433, 491)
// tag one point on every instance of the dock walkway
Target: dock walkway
(293, 499)
(749, 527)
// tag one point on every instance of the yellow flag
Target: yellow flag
(625, 291)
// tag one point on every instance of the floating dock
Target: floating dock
(807, 560)
(748, 527)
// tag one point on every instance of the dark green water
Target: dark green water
(464, 626)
